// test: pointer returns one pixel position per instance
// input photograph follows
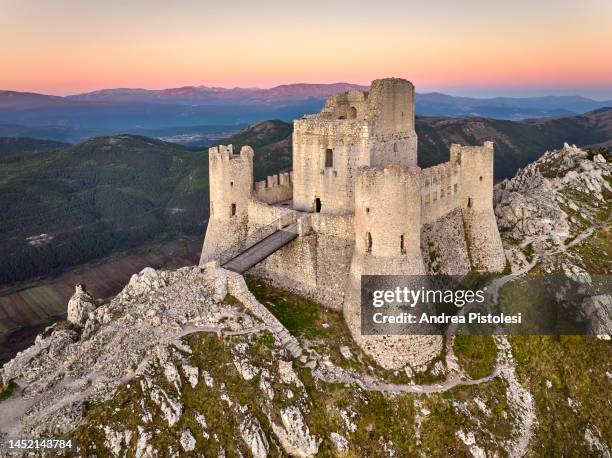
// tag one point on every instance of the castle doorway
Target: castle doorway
(318, 205)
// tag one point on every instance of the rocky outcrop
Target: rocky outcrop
(554, 197)
(81, 306)
(64, 367)
(294, 434)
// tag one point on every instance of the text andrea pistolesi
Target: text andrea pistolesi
(410, 305)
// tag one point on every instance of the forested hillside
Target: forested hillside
(20, 146)
(65, 207)
(69, 206)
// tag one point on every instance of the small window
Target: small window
(318, 205)
(352, 113)
(480, 178)
(470, 202)
(233, 210)
(329, 157)
(435, 196)
(367, 209)
(455, 188)
(231, 184)
(368, 242)
(402, 247)
(395, 147)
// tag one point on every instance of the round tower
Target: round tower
(388, 243)
(388, 218)
(231, 188)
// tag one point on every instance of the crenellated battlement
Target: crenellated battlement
(226, 153)
(275, 188)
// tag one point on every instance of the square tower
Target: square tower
(354, 129)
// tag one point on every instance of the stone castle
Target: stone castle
(356, 203)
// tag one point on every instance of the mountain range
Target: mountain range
(112, 111)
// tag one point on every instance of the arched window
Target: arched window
(470, 202)
(233, 210)
(352, 113)
(402, 246)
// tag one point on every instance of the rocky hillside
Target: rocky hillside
(555, 208)
(196, 362)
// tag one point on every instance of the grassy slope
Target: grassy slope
(569, 376)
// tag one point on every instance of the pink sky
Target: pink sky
(70, 46)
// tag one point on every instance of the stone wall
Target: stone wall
(274, 189)
(387, 242)
(313, 177)
(444, 247)
(439, 191)
(314, 265)
(237, 287)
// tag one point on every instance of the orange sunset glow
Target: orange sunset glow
(68, 46)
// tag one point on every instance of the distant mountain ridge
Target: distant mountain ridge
(200, 94)
(144, 108)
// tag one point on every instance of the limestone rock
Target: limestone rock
(598, 311)
(81, 305)
(254, 437)
(188, 442)
(294, 434)
(546, 199)
(339, 442)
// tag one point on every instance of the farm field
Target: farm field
(26, 309)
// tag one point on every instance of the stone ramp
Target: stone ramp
(262, 249)
(237, 287)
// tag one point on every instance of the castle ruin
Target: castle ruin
(356, 203)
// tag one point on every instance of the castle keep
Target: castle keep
(356, 203)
